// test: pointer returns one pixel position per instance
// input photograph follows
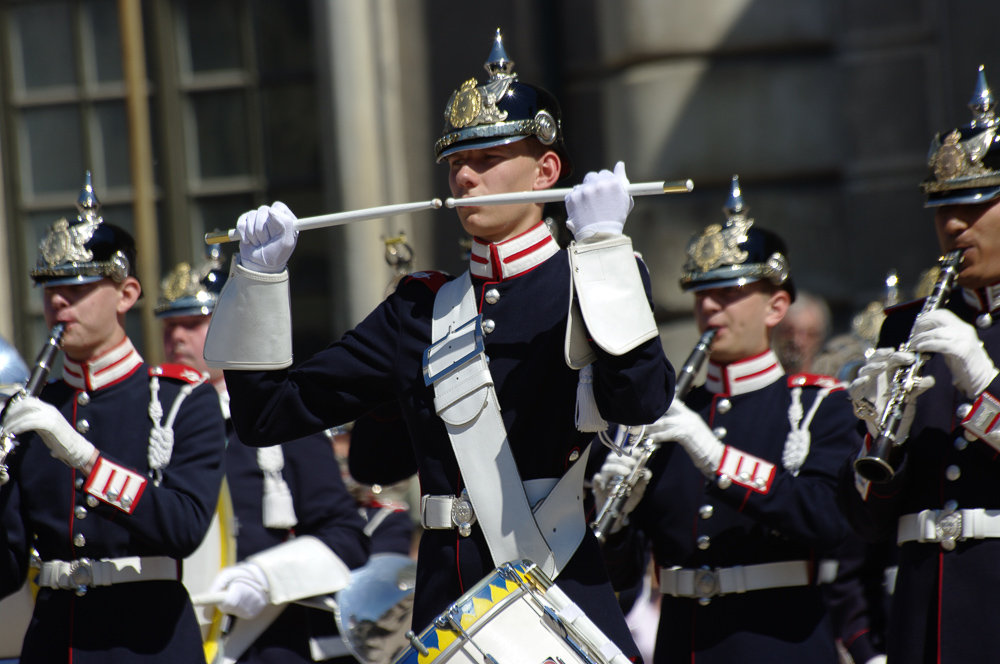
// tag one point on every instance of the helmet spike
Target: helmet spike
(734, 206)
(982, 102)
(498, 64)
(87, 203)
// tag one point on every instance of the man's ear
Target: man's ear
(777, 307)
(129, 291)
(549, 167)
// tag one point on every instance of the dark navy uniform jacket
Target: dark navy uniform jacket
(944, 608)
(323, 508)
(380, 361)
(47, 507)
(691, 522)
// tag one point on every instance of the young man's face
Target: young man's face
(184, 342)
(744, 316)
(518, 166)
(91, 313)
(976, 229)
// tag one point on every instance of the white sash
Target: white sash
(466, 400)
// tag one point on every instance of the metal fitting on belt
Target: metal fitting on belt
(462, 514)
(445, 512)
(81, 575)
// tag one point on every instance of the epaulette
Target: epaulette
(814, 380)
(178, 372)
(432, 280)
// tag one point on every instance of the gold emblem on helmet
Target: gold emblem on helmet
(950, 160)
(718, 245)
(177, 282)
(465, 105)
(65, 244)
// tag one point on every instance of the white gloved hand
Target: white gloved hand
(600, 204)
(246, 590)
(877, 659)
(943, 332)
(871, 390)
(267, 237)
(684, 426)
(63, 441)
(615, 469)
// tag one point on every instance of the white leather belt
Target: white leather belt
(83, 573)
(437, 512)
(446, 512)
(947, 527)
(705, 582)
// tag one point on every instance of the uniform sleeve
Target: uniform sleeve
(337, 385)
(323, 506)
(636, 387)
(173, 517)
(857, 597)
(805, 505)
(381, 451)
(14, 550)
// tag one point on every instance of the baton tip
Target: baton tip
(436, 203)
(689, 184)
(449, 202)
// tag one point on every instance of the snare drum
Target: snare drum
(513, 616)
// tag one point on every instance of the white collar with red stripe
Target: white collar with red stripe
(513, 257)
(983, 300)
(744, 376)
(107, 369)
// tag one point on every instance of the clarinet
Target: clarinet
(43, 363)
(876, 466)
(611, 511)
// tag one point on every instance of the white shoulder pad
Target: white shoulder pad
(612, 299)
(301, 567)
(251, 328)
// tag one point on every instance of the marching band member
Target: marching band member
(740, 503)
(295, 518)
(492, 411)
(940, 503)
(118, 472)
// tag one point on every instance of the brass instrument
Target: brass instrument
(43, 363)
(611, 511)
(876, 466)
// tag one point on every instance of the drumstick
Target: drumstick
(554, 195)
(336, 219)
(209, 598)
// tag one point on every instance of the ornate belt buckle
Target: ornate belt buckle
(81, 575)
(948, 528)
(453, 350)
(706, 584)
(462, 514)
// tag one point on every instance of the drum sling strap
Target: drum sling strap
(465, 398)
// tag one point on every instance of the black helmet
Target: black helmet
(85, 251)
(501, 111)
(964, 164)
(192, 292)
(737, 253)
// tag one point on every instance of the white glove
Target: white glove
(267, 237)
(943, 332)
(877, 659)
(614, 469)
(684, 426)
(600, 204)
(871, 390)
(63, 441)
(246, 590)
